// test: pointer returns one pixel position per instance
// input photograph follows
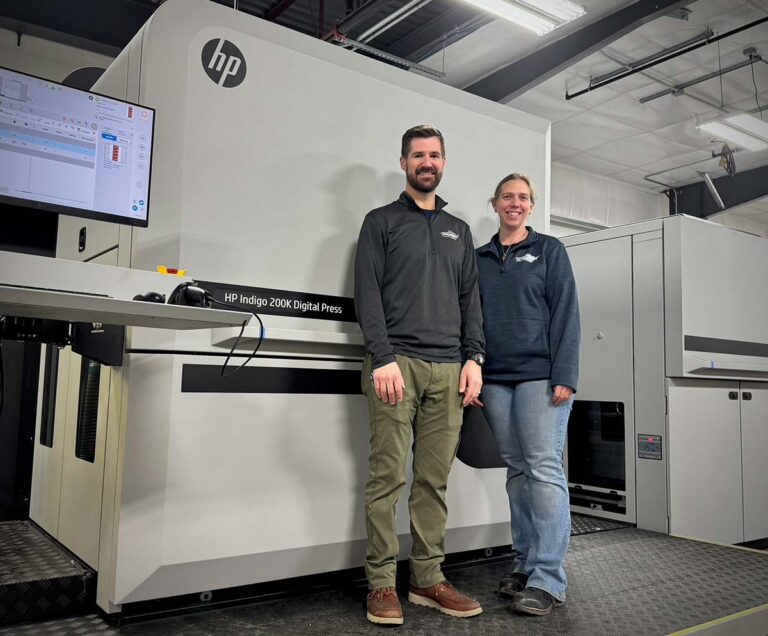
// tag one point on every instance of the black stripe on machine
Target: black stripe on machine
(281, 302)
(207, 378)
(223, 354)
(732, 347)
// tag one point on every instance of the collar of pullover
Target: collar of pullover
(408, 202)
(491, 246)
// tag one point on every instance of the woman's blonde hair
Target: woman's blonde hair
(515, 176)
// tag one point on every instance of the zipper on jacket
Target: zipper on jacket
(505, 257)
(498, 257)
(431, 231)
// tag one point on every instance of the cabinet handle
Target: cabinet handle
(733, 395)
(747, 395)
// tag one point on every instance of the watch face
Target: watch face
(479, 358)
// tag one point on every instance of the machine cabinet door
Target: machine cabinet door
(82, 475)
(603, 273)
(754, 452)
(56, 368)
(705, 491)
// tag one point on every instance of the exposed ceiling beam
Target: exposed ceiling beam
(434, 34)
(94, 25)
(523, 74)
(741, 188)
(277, 9)
(360, 15)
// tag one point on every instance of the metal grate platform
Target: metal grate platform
(624, 582)
(38, 579)
(587, 525)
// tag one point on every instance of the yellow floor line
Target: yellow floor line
(722, 620)
(722, 545)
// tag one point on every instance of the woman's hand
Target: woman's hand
(562, 394)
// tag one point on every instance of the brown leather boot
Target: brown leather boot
(446, 599)
(384, 607)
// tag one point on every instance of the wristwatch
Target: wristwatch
(478, 358)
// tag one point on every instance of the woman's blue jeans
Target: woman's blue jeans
(530, 433)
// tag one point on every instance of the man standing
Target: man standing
(417, 302)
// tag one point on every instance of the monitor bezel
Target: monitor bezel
(82, 212)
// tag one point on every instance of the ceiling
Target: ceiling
(606, 131)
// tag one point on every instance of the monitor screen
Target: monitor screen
(72, 151)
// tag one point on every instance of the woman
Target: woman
(531, 322)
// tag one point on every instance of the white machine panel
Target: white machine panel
(754, 451)
(217, 485)
(705, 461)
(696, 309)
(266, 183)
(263, 181)
(603, 272)
(715, 300)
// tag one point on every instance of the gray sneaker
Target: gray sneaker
(534, 602)
(512, 583)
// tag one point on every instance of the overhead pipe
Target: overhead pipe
(673, 189)
(680, 87)
(392, 19)
(665, 82)
(358, 16)
(712, 189)
(343, 39)
(715, 155)
(591, 87)
(672, 49)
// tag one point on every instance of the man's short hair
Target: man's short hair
(424, 131)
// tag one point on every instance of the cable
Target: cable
(239, 336)
(720, 75)
(315, 27)
(755, 85)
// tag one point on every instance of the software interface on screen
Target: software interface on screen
(64, 147)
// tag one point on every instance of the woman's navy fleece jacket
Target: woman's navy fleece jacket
(530, 312)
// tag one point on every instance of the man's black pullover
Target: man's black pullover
(416, 284)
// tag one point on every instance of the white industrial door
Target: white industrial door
(705, 493)
(603, 273)
(754, 452)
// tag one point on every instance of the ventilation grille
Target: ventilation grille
(50, 379)
(88, 410)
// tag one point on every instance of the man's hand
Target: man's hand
(470, 383)
(561, 394)
(388, 383)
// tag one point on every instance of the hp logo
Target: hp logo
(223, 63)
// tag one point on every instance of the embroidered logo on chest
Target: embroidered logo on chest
(528, 258)
(450, 235)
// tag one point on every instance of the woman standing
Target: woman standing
(531, 319)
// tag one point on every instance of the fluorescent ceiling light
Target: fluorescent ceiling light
(738, 135)
(540, 17)
(749, 124)
(562, 10)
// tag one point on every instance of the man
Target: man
(418, 306)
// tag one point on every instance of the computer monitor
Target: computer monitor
(73, 151)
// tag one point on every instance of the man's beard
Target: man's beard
(413, 181)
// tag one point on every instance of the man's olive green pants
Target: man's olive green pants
(432, 413)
